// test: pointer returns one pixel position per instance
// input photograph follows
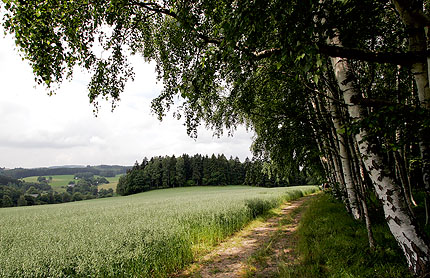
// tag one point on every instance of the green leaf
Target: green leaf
(300, 57)
(316, 78)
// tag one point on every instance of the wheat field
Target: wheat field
(150, 234)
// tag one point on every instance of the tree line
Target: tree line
(335, 87)
(102, 170)
(197, 170)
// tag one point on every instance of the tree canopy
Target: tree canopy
(337, 86)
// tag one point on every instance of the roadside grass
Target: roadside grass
(332, 244)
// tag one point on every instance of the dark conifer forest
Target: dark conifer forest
(169, 171)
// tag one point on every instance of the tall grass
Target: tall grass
(332, 244)
(145, 235)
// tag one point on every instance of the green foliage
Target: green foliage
(332, 244)
(7, 201)
(55, 172)
(260, 63)
(206, 54)
(41, 179)
(22, 201)
(167, 172)
(29, 192)
(32, 190)
(145, 235)
(84, 175)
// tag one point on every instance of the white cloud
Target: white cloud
(38, 130)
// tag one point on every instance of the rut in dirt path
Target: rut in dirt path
(231, 258)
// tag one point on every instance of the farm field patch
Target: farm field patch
(147, 234)
(113, 181)
(59, 182)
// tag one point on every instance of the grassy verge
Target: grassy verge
(332, 244)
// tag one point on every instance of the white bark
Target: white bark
(400, 221)
(325, 145)
(345, 163)
(361, 172)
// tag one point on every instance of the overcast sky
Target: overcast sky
(38, 131)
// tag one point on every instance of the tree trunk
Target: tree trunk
(403, 178)
(401, 223)
(345, 161)
(362, 176)
(331, 143)
(418, 23)
(427, 31)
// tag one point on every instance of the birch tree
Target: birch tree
(401, 223)
(260, 63)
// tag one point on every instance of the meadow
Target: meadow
(59, 182)
(150, 234)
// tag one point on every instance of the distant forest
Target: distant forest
(101, 170)
(169, 171)
(155, 173)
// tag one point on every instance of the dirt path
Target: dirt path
(255, 251)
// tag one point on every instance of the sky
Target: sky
(37, 130)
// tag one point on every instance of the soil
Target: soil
(255, 251)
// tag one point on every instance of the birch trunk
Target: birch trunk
(362, 174)
(331, 154)
(401, 223)
(332, 141)
(404, 180)
(345, 162)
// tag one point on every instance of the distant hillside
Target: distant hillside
(100, 170)
(67, 166)
(5, 180)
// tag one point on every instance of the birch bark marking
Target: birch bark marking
(401, 223)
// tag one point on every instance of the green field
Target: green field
(113, 181)
(144, 235)
(59, 182)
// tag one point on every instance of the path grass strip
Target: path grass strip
(280, 248)
(332, 244)
(248, 252)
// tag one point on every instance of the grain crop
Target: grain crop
(150, 234)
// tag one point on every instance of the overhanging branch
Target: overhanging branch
(404, 59)
(155, 7)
